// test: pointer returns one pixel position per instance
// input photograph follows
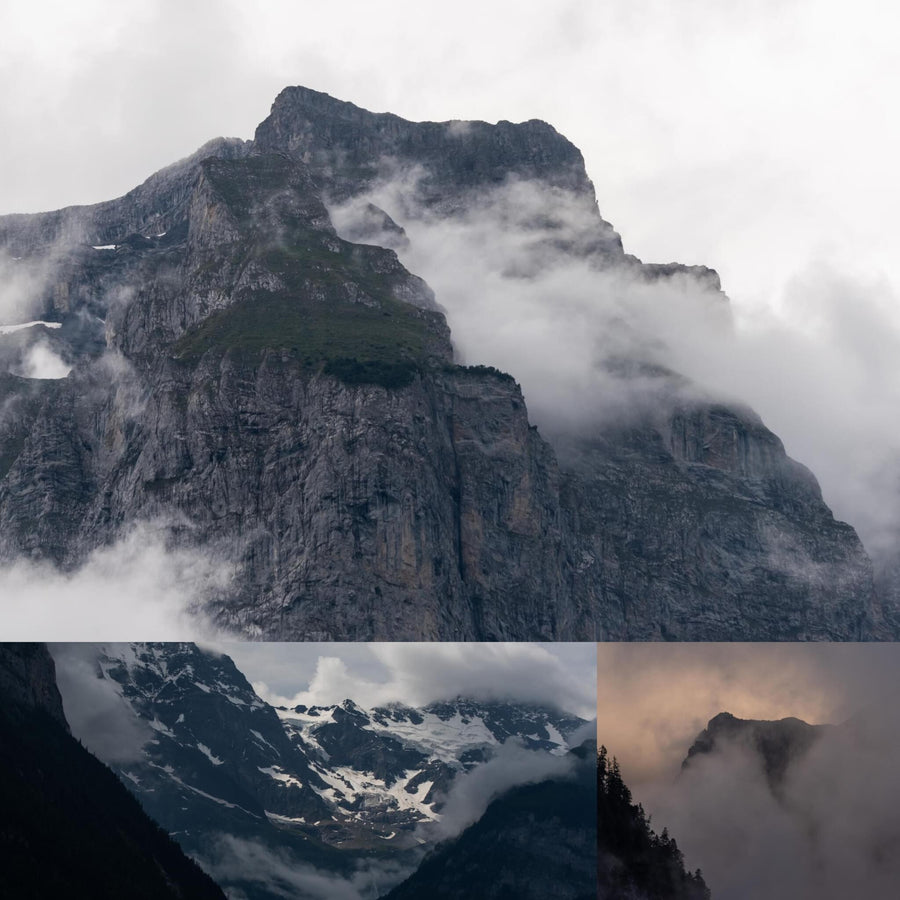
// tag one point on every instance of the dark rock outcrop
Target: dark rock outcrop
(778, 744)
(70, 828)
(28, 679)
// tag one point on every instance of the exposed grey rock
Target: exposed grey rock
(671, 517)
(288, 398)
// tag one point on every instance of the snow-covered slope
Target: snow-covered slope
(324, 784)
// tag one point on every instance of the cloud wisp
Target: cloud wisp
(139, 586)
(472, 792)
(589, 334)
(95, 709)
(240, 861)
(420, 673)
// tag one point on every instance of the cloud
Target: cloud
(831, 833)
(653, 699)
(420, 673)
(587, 339)
(833, 829)
(41, 361)
(95, 709)
(524, 274)
(473, 791)
(138, 587)
(22, 286)
(821, 371)
(240, 863)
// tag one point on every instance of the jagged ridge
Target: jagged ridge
(292, 396)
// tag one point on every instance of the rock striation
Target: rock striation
(289, 400)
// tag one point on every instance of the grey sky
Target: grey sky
(370, 673)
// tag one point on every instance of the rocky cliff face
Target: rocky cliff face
(288, 399)
(28, 678)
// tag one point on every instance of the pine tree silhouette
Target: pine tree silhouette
(633, 861)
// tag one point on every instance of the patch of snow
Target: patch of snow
(421, 791)
(180, 719)
(289, 715)
(218, 800)
(558, 739)
(104, 246)
(443, 739)
(209, 754)
(259, 737)
(354, 785)
(9, 329)
(156, 725)
(286, 820)
(279, 774)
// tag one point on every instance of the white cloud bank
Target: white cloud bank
(420, 673)
(137, 588)
(820, 367)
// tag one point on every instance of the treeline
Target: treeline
(634, 863)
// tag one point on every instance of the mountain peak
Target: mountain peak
(777, 743)
(348, 148)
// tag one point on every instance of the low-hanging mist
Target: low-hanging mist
(523, 291)
(140, 584)
(829, 828)
(829, 831)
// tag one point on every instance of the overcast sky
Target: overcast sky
(560, 674)
(752, 137)
(654, 699)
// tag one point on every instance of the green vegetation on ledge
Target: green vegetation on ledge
(334, 304)
(356, 343)
(490, 371)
